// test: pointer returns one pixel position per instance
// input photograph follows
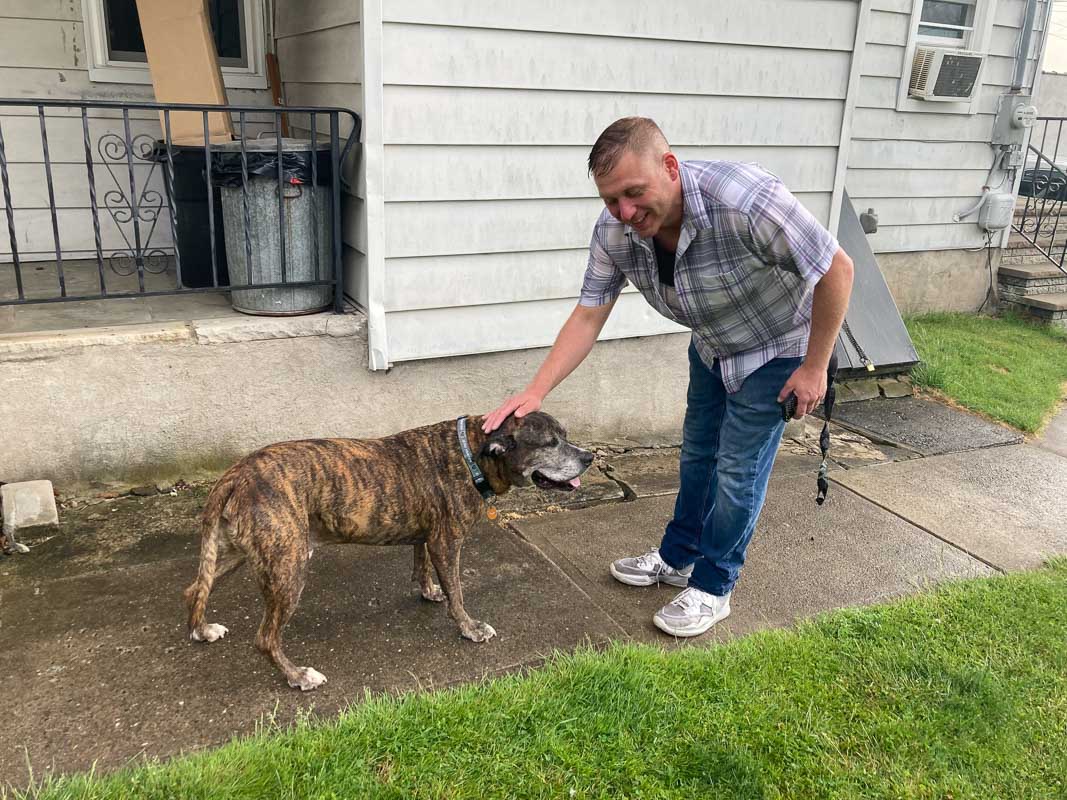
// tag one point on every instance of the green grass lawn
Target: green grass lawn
(957, 693)
(1007, 368)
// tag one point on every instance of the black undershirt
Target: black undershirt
(664, 263)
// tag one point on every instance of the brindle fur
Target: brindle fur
(273, 507)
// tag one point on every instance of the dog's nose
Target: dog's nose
(586, 458)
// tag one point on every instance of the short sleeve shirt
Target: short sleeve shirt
(748, 258)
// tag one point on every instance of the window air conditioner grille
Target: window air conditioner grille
(957, 76)
(920, 69)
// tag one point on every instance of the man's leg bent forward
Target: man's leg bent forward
(749, 432)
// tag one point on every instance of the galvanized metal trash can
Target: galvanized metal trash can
(306, 212)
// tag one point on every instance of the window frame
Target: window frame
(974, 40)
(105, 70)
(948, 41)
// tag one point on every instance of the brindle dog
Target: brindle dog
(273, 507)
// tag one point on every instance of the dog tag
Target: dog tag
(491, 513)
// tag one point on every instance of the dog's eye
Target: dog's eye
(553, 442)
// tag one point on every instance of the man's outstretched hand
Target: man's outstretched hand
(521, 404)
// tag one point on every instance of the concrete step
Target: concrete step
(1039, 270)
(1045, 302)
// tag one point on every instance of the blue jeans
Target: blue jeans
(728, 446)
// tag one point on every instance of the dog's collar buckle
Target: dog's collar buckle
(480, 482)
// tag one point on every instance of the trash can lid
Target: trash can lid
(270, 144)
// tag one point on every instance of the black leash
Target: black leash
(789, 409)
(824, 437)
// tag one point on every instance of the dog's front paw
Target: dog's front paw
(209, 632)
(478, 631)
(433, 593)
(307, 679)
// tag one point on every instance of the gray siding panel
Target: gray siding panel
(489, 113)
(917, 168)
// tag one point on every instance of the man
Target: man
(726, 250)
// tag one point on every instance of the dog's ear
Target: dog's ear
(498, 445)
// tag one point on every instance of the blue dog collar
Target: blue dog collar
(480, 483)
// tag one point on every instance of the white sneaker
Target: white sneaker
(648, 569)
(692, 613)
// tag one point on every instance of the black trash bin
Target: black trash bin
(191, 216)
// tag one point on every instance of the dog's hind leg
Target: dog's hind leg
(423, 573)
(444, 549)
(211, 570)
(282, 577)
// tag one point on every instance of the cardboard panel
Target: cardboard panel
(184, 66)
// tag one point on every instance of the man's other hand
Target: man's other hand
(808, 383)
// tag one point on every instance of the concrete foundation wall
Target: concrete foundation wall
(162, 410)
(938, 280)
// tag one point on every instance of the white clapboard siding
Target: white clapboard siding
(36, 242)
(322, 56)
(418, 55)
(430, 333)
(884, 123)
(918, 211)
(890, 154)
(489, 111)
(42, 43)
(907, 183)
(466, 226)
(483, 279)
(815, 24)
(70, 183)
(41, 9)
(451, 281)
(319, 57)
(945, 236)
(422, 115)
(458, 172)
(293, 18)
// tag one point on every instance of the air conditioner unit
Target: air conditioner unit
(944, 73)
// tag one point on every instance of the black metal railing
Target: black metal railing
(1043, 192)
(100, 141)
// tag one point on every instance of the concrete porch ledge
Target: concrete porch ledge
(223, 330)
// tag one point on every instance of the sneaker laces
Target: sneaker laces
(689, 599)
(651, 559)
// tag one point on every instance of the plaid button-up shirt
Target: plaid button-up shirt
(747, 261)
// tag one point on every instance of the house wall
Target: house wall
(161, 402)
(319, 58)
(43, 55)
(487, 114)
(918, 168)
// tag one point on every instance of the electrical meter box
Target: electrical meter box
(996, 212)
(1015, 116)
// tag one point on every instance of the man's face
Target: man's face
(644, 192)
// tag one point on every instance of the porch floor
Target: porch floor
(123, 307)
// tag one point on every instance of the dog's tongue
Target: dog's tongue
(575, 482)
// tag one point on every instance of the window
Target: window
(947, 24)
(961, 24)
(117, 53)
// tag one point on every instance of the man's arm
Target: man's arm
(829, 304)
(575, 340)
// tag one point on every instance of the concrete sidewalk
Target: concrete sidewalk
(97, 668)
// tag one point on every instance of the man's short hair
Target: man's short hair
(633, 134)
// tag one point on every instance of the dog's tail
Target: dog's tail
(211, 533)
